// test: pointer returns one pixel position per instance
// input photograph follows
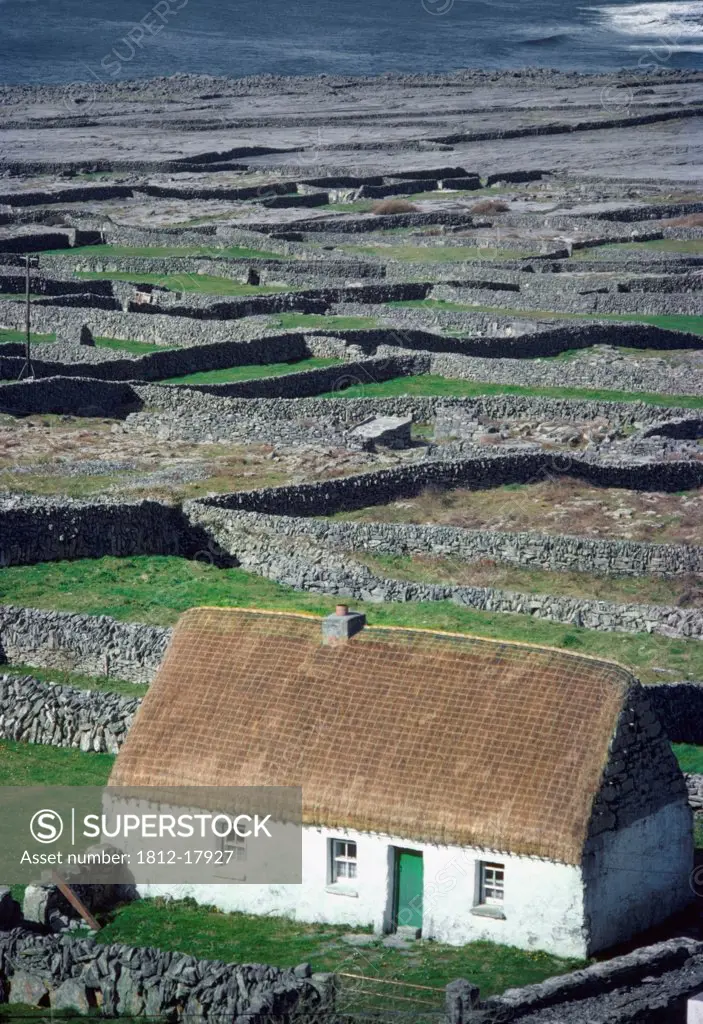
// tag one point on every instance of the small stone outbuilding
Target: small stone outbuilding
(467, 788)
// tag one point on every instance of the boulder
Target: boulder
(387, 431)
(25, 988)
(71, 995)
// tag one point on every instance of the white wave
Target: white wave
(663, 20)
(670, 47)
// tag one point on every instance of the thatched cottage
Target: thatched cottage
(465, 787)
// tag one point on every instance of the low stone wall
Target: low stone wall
(311, 566)
(558, 553)
(543, 295)
(352, 492)
(185, 414)
(62, 716)
(327, 378)
(155, 366)
(135, 326)
(649, 985)
(94, 645)
(49, 529)
(233, 270)
(50, 970)
(76, 396)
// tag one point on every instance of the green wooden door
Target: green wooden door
(408, 888)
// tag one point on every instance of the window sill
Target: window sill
(341, 890)
(485, 910)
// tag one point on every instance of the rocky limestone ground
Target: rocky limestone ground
(542, 234)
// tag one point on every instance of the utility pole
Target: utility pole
(28, 369)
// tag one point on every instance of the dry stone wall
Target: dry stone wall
(609, 992)
(558, 553)
(94, 645)
(155, 366)
(62, 716)
(77, 396)
(347, 493)
(313, 567)
(569, 300)
(65, 973)
(49, 529)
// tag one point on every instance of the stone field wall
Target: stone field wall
(353, 492)
(64, 973)
(313, 567)
(94, 645)
(40, 530)
(155, 366)
(558, 553)
(36, 712)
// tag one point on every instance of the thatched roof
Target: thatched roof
(431, 736)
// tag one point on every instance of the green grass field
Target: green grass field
(33, 764)
(687, 323)
(206, 933)
(208, 284)
(687, 246)
(251, 372)
(690, 757)
(157, 589)
(139, 348)
(291, 321)
(7, 334)
(234, 252)
(105, 684)
(428, 384)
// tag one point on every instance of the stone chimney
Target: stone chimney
(341, 625)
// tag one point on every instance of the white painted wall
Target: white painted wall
(543, 900)
(638, 876)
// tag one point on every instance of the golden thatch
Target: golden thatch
(435, 737)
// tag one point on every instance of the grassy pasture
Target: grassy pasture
(156, 589)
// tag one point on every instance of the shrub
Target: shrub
(393, 206)
(489, 206)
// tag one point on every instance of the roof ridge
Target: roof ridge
(610, 662)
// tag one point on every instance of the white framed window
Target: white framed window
(234, 844)
(492, 884)
(343, 861)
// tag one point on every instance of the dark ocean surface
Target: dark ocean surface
(51, 41)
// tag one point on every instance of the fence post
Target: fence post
(461, 998)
